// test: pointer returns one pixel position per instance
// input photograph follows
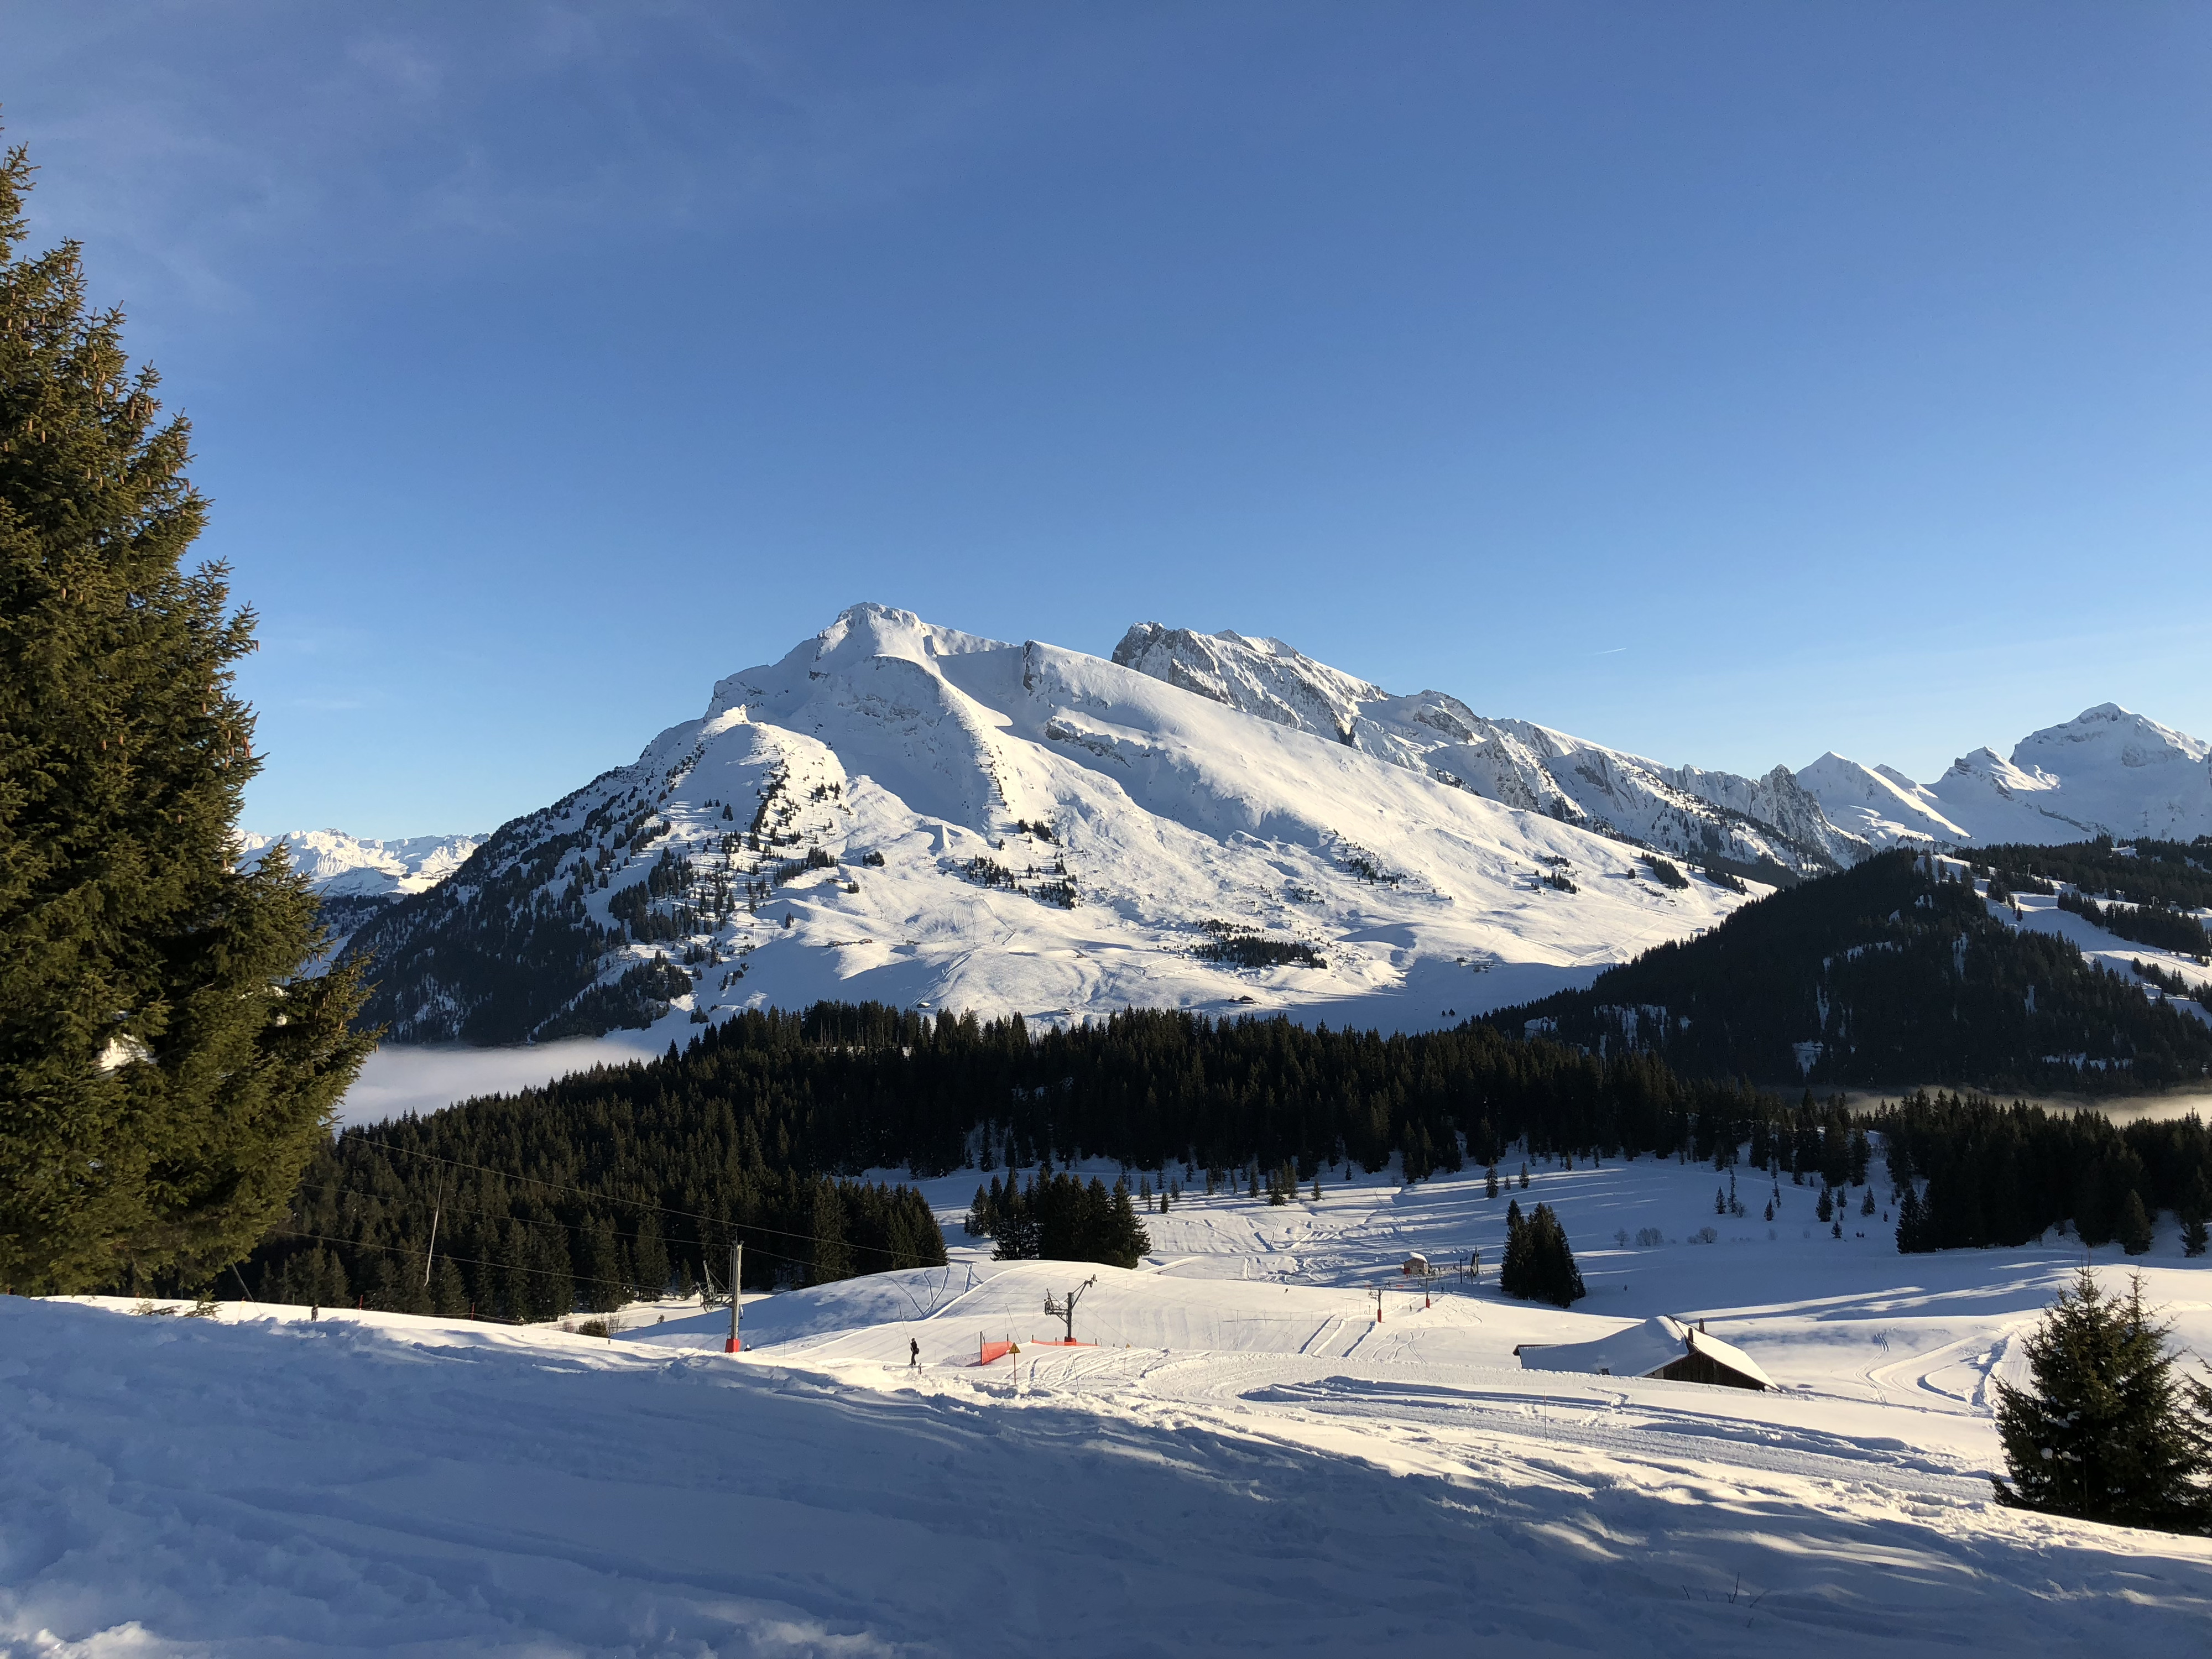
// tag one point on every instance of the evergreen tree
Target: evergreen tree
(833, 1256)
(546, 1288)
(1912, 1222)
(449, 1295)
(1538, 1265)
(1556, 1277)
(1514, 1271)
(2105, 1431)
(650, 1259)
(2195, 1205)
(1126, 1242)
(2134, 1225)
(1489, 1182)
(165, 1077)
(606, 1286)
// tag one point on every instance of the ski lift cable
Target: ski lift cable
(570, 1228)
(633, 1203)
(401, 1249)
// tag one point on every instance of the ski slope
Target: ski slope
(1245, 1461)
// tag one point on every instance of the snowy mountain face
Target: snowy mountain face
(2107, 772)
(1714, 817)
(340, 865)
(903, 812)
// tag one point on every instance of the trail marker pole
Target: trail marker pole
(1378, 1304)
(737, 1296)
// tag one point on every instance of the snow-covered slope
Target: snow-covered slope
(341, 865)
(1878, 802)
(905, 812)
(1685, 810)
(2108, 771)
(1247, 1462)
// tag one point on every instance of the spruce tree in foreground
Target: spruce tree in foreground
(163, 1078)
(2105, 1432)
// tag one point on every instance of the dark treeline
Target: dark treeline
(1883, 975)
(613, 1184)
(623, 1179)
(2001, 1175)
(877, 1087)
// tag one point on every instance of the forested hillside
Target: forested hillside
(1884, 975)
(2167, 872)
(617, 1178)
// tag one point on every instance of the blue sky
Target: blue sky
(1725, 382)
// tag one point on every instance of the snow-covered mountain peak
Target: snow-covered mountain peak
(1984, 765)
(1877, 802)
(339, 866)
(2109, 735)
(2108, 771)
(862, 634)
(1756, 822)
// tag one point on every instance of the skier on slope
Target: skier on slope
(913, 1353)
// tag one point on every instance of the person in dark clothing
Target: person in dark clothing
(913, 1353)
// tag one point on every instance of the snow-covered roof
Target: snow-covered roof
(1727, 1354)
(1633, 1351)
(1639, 1351)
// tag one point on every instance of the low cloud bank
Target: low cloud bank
(395, 1080)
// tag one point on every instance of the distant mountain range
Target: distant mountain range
(903, 811)
(340, 865)
(2107, 772)
(1770, 826)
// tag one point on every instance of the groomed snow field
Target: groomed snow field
(1245, 1461)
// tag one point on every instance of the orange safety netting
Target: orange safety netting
(990, 1352)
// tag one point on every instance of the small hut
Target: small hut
(1669, 1348)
